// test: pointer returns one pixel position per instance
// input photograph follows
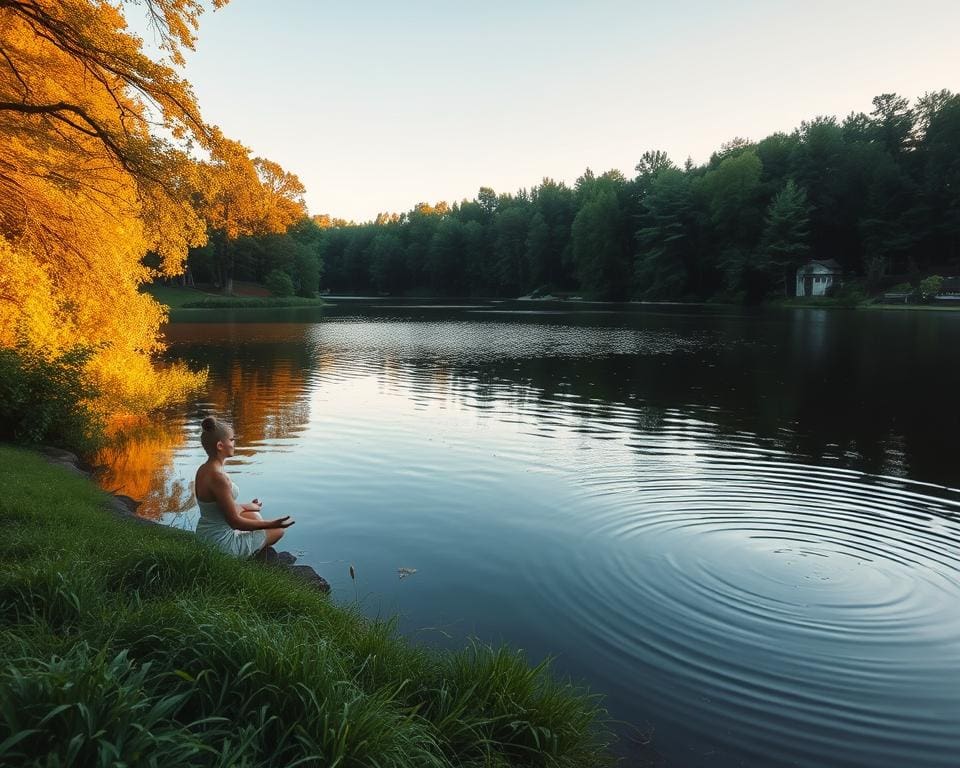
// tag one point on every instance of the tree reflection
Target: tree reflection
(138, 462)
(258, 381)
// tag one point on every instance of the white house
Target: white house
(815, 277)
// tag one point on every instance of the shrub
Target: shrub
(930, 287)
(849, 294)
(279, 283)
(48, 400)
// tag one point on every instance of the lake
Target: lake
(741, 527)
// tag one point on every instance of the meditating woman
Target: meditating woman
(237, 529)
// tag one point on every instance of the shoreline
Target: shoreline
(171, 651)
(125, 508)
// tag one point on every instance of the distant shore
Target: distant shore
(177, 297)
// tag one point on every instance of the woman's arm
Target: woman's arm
(223, 492)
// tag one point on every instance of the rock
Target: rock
(63, 458)
(272, 557)
(310, 576)
(59, 455)
(124, 504)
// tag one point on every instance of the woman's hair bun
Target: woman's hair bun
(209, 423)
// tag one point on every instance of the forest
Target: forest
(879, 193)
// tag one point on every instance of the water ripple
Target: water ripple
(752, 587)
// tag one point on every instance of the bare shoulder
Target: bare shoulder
(210, 482)
(218, 481)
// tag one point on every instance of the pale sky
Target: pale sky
(379, 105)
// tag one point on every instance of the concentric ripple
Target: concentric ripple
(810, 613)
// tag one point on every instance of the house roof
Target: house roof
(829, 263)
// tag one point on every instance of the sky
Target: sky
(379, 105)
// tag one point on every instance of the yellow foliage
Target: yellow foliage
(87, 187)
(243, 196)
(138, 462)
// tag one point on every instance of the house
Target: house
(815, 277)
(949, 291)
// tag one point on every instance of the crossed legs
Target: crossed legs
(273, 534)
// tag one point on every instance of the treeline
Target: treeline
(879, 193)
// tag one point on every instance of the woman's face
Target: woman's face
(227, 445)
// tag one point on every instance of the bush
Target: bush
(279, 283)
(900, 288)
(930, 287)
(849, 294)
(47, 400)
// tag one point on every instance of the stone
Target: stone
(270, 556)
(310, 576)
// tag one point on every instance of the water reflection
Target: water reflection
(713, 518)
(139, 463)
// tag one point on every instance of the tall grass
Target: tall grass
(133, 645)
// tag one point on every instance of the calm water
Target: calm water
(741, 528)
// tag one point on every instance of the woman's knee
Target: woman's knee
(274, 535)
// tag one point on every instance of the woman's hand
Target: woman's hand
(280, 522)
(254, 506)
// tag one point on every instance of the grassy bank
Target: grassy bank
(176, 297)
(133, 644)
(826, 302)
(913, 307)
(250, 302)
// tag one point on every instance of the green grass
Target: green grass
(174, 296)
(944, 307)
(249, 302)
(818, 302)
(125, 644)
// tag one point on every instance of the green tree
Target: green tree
(786, 234)
(279, 283)
(509, 246)
(602, 266)
(892, 122)
(387, 267)
(732, 191)
(476, 264)
(488, 202)
(556, 203)
(886, 225)
(940, 153)
(535, 256)
(665, 251)
(306, 271)
(445, 267)
(652, 162)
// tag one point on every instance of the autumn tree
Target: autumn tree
(243, 196)
(94, 173)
